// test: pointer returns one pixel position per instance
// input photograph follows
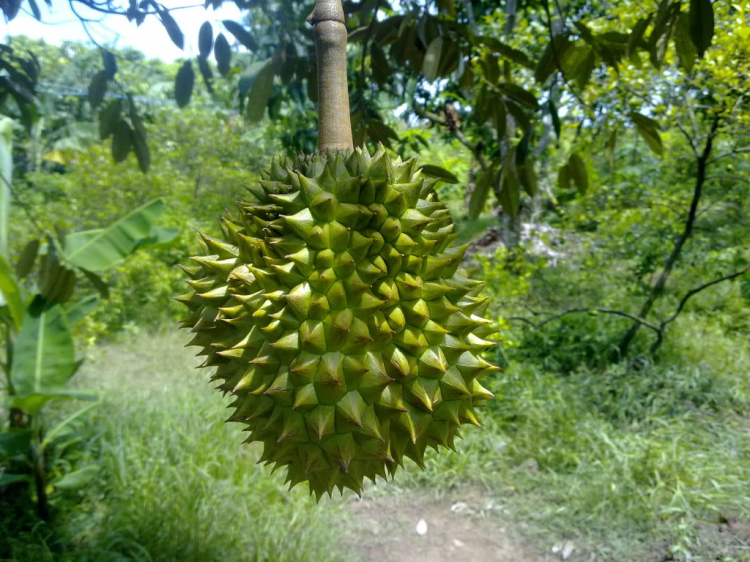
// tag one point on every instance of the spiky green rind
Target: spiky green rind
(335, 312)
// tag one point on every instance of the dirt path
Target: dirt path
(458, 528)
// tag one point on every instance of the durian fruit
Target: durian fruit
(335, 312)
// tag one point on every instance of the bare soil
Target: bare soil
(460, 527)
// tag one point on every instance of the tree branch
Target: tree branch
(661, 281)
(438, 120)
(697, 290)
(538, 325)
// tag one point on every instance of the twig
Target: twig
(474, 148)
(661, 281)
(557, 59)
(690, 139)
(538, 325)
(697, 290)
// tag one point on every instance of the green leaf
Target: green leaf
(101, 249)
(431, 62)
(108, 118)
(223, 54)
(522, 148)
(97, 282)
(122, 141)
(173, 30)
(260, 93)
(643, 120)
(481, 191)
(140, 144)
(249, 75)
(686, 51)
(183, 84)
(160, 237)
(584, 32)
(583, 72)
(241, 34)
(506, 51)
(205, 39)
(635, 41)
(358, 34)
(27, 258)
(381, 70)
(512, 54)
(517, 93)
(510, 196)
(449, 58)
(207, 74)
(500, 117)
(82, 308)
(7, 479)
(440, 173)
(577, 169)
(44, 356)
(555, 118)
(15, 442)
(77, 478)
(34, 403)
(380, 132)
(648, 130)
(527, 177)
(553, 53)
(35, 10)
(660, 28)
(522, 119)
(701, 16)
(491, 67)
(11, 292)
(97, 89)
(563, 177)
(60, 428)
(59, 283)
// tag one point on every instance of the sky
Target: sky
(59, 23)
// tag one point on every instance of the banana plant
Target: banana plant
(37, 312)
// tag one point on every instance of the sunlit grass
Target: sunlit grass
(619, 460)
(175, 483)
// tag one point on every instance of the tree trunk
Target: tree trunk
(661, 281)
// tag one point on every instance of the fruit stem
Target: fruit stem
(334, 121)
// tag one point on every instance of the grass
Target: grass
(174, 482)
(626, 461)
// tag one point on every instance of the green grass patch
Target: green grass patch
(174, 483)
(624, 460)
